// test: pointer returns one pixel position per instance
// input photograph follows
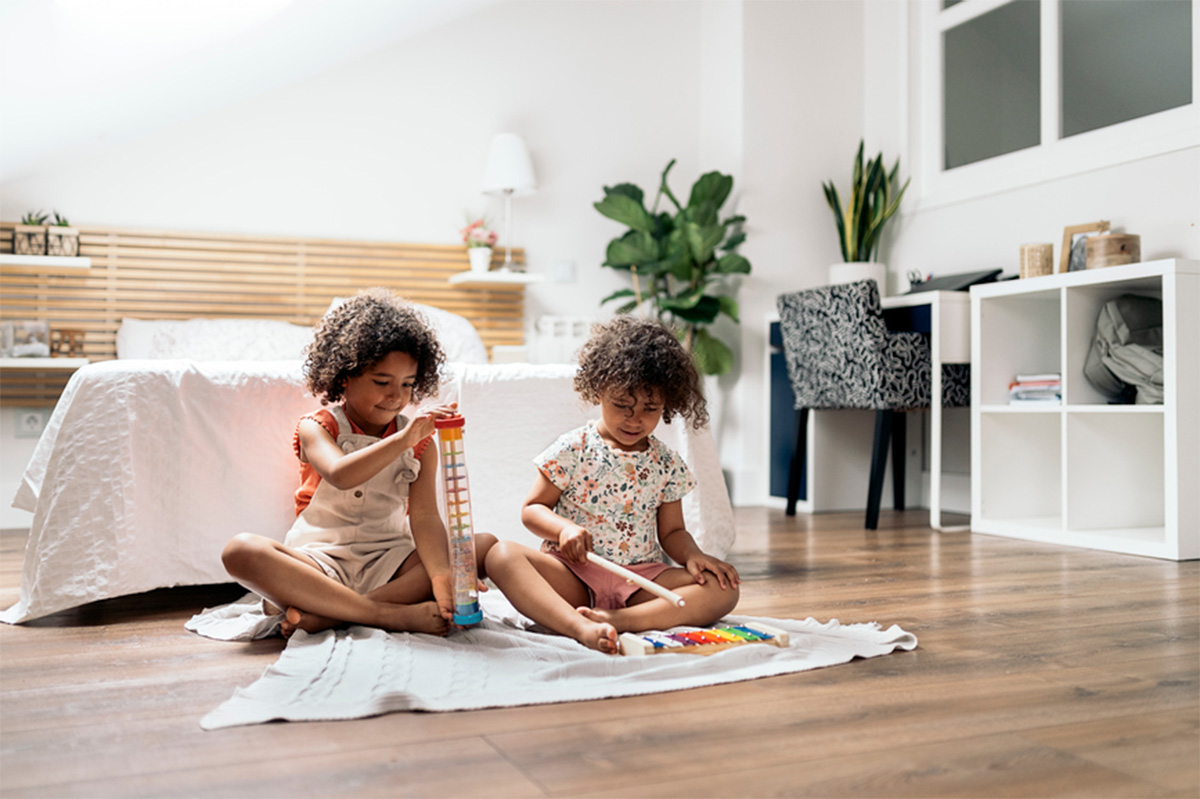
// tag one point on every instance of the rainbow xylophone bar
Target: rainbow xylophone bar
(701, 642)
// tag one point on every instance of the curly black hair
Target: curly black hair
(360, 333)
(634, 355)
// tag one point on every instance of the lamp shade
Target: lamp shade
(508, 168)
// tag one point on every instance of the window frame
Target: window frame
(1053, 157)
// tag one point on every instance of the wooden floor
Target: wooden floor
(1042, 671)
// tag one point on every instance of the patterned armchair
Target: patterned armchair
(840, 354)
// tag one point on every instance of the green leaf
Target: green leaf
(733, 264)
(626, 210)
(734, 241)
(666, 225)
(702, 240)
(729, 307)
(635, 247)
(628, 190)
(711, 188)
(616, 295)
(663, 188)
(703, 214)
(711, 355)
(627, 307)
(835, 203)
(683, 300)
(703, 311)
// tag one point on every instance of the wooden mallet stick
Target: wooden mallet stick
(636, 579)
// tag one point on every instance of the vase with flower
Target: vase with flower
(479, 238)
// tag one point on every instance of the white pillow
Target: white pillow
(212, 339)
(459, 339)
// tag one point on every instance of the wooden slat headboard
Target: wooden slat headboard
(154, 274)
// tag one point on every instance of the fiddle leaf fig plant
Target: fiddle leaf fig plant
(873, 200)
(680, 260)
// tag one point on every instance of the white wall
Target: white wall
(803, 112)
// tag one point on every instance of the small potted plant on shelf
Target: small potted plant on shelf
(61, 238)
(873, 199)
(479, 238)
(29, 237)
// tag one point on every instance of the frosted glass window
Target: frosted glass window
(1123, 59)
(992, 100)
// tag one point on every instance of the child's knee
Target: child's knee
(241, 550)
(719, 601)
(483, 545)
(501, 552)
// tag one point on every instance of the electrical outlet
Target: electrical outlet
(31, 422)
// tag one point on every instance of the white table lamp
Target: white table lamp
(508, 173)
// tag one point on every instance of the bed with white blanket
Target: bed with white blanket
(151, 462)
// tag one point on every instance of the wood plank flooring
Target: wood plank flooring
(1042, 671)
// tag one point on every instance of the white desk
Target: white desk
(946, 316)
(949, 342)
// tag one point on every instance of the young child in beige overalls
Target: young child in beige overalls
(368, 545)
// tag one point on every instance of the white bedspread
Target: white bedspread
(365, 672)
(147, 468)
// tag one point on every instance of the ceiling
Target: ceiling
(83, 73)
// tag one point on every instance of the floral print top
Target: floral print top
(614, 494)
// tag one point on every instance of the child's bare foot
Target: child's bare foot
(421, 618)
(597, 633)
(296, 619)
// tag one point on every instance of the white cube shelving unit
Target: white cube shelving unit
(1122, 478)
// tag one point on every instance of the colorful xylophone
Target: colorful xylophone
(701, 642)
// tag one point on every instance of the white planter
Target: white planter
(852, 271)
(481, 258)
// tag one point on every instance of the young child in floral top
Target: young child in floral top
(611, 487)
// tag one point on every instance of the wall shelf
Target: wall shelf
(1085, 473)
(56, 261)
(43, 364)
(483, 280)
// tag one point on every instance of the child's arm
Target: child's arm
(429, 533)
(679, 545)
(574, 542)
(347, 470)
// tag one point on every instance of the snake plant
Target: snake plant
(873, 200)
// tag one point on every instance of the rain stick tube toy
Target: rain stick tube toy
(458, 520)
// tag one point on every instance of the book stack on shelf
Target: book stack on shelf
(1039, 388)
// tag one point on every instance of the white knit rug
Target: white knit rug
(361, 671)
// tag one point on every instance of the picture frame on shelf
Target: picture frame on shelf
(30, 339)
(1073, 256)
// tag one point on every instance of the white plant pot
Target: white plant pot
(481, 258)
(852, 271)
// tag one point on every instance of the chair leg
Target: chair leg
(883, 435)
(899, 456)
(796, 467)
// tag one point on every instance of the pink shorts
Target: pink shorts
(610, 591)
